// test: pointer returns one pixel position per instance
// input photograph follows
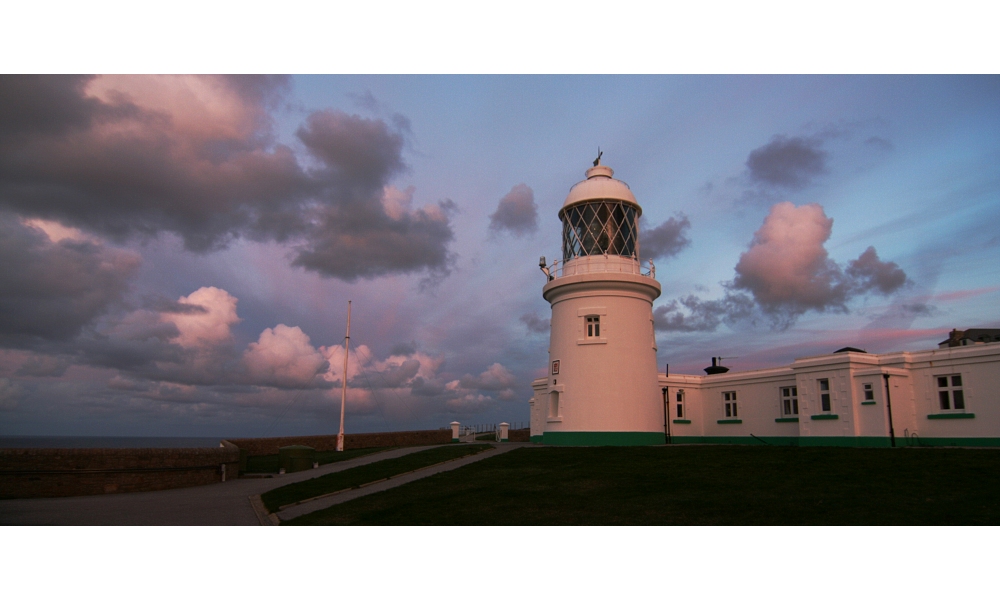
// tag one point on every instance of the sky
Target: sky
(179, 251)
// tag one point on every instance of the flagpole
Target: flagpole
(343, 390)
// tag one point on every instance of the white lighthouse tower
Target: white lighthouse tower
(601, 387)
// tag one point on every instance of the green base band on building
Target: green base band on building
(843, 442)
(536, 439)
(603, 438)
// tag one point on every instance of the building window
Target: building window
(729, 401)
(950, 394)
(869, 393)
(789, 401)
(824, 395)
(680, 404)
(593, 326)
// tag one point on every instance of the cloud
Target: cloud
(667, 239)
(870, 273)
(469, 404)
(365, 101)
(787, 162)
(787, 267)
(210, 321)
(880, 143)
(53, 289)
(516, 212)
(9, 393)
(535, 323)
(39, 365)
(495, 377)
(703, 315)
(283, 357)
(785, 272)
(126, 156)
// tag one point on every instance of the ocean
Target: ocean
(68, 441)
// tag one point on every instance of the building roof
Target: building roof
(973, 336)
(600, 185)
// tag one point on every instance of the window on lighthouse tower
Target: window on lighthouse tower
(593, 326)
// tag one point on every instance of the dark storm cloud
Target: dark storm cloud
(403, 349)
(120, 170)
(362, 154)
(535, 323)
(39, 365)
(787, 162)
(52, 290)
(667, 239)
(358, 233)
(125, 163)
(516, 212)
(45, 104)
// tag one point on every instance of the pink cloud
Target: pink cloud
(208, 328)
(283, 356)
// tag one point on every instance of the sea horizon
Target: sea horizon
(85, 441)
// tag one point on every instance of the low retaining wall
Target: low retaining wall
(52, 472)
(519, 435)
(323, 443)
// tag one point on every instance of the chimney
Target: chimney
(716, 368)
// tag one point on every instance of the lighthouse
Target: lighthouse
(601, 387)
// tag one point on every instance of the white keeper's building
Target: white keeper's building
(604, 388)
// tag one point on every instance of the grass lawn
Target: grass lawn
(695, 485)
(344, 480)
(271, 463)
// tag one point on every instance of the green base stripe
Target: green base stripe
(736, 439)
(787, 420)
(729, 421)
(837, 441)
(604, 438)
(536, 439)
(682, 421)
(953, 416)
(825, 417)
(867, 403)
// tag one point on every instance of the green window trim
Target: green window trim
(952, 416)
(682, 421)
(729, 421)
(787, 420)
(868, 402)
(825, 417)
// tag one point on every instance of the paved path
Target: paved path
(314, 505)
(216, 504)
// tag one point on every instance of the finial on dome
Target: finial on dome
(597, 160)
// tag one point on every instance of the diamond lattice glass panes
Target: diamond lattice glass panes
(601, 227)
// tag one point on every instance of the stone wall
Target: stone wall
(519, 435)
(323, 443)
(52, 472)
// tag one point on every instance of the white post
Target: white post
(504, 427)
(454, 430)
(343, 391)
